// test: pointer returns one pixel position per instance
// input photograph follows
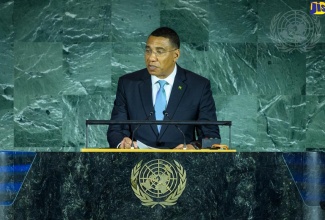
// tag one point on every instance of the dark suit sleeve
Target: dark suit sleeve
(207, 112)
(116, 133)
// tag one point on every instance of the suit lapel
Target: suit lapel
(178, 90)
(145, 90)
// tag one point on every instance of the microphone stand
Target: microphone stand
(184, 144)
(133, 133)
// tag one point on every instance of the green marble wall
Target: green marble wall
(60, 62)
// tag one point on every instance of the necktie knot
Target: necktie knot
(162, 83)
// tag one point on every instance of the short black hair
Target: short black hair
(167, 33)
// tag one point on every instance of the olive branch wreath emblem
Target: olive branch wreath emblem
(147, 200)
(290, 47)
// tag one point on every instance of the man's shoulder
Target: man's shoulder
(193, 76)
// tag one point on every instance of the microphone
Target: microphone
(133, 133)
(184, 144)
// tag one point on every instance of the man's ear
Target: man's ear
(177, 54)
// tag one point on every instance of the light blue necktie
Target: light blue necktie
(161, 102)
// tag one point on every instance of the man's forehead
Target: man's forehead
(158, 42)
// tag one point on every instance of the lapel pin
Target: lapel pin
(180, 87)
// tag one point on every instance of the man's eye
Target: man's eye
(159, 52)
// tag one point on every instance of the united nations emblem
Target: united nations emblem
(295, 30)
(158, 182)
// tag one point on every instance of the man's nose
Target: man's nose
(153, 56)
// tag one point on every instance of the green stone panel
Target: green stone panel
(38, 21)
(87, 21)
(31, 86)
(38, 72)
(315, 114)
(281, 123)
(280, 73)
(233, 21)
(6, 96)
(315, 70)
(322, 28)
(194, 57)
(76, 110)
(290, 21)
(268, 10)
(126, 58)
(231, 68)
(6, 64)
(6, 117)
(88, 68)
(6, 24)
(39, 124)
(242, 111)
(38, 114)
(188, 18)
(133, 21)
(39, 80)
(38, 57)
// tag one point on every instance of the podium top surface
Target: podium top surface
(110, 150)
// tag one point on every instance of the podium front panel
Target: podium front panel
(144, 185)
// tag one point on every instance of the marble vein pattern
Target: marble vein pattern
(60, 62)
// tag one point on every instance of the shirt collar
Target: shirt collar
(170, 79)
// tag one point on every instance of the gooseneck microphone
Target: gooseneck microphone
(139, 125)
(184, 143)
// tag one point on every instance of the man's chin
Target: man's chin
(153, 72)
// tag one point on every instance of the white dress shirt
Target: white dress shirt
(168, 87)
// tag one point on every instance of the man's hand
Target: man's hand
(126, 144)
(188, 147)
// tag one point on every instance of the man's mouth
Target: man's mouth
(151, 67)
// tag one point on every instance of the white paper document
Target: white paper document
(144, 146)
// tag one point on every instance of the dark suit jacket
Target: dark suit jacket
(190, 99)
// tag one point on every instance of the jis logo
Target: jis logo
(317, 8)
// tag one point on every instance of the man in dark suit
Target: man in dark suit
(163, 90)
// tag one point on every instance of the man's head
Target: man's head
(162, 52)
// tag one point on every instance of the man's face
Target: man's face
(160, 56)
